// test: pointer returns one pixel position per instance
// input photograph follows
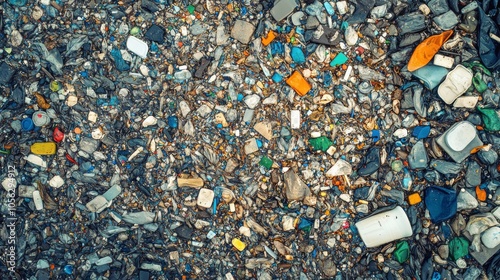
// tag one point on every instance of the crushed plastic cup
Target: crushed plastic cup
(455, 84)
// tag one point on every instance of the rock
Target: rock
(156, 33)
(242, 31)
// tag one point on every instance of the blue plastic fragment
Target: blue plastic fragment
(422, 131)
(277, 77)
(329, 9)
(441, 203)
(339, 59)
(298, 55)
(375, 135)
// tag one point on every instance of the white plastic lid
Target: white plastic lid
(40, 118)
(460, 135)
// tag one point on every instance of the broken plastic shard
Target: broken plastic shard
(139, 218)
(295, 189)
(340, 168)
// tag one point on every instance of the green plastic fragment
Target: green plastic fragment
(491, 118)
(266, 162)
(55, 86)
(402, 252)
(191, 9)
(135, 30)
(459, 248)
(321, 143)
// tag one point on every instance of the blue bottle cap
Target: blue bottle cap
(27, 124)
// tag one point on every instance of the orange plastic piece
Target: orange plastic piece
(414, 198)
(78, 130)
(426, 50)
(298, 83)
(269, 38)
(481, 194)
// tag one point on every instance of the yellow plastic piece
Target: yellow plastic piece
(269, 38)
(239, 244)
(414, 198)
(298, 83)
(44, 148)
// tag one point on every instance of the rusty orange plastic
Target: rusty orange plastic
(426, 50)
(269, 38)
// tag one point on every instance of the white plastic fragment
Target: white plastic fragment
(9, 183)
(37, 199)
(137, 46)
(342, 7)
(205, 198)
(92, 116)
(340, 168)
(295, 119)
(466, 102)
(98, 204)
(251, 146)
(36, 160)
(443, 61)
(56, 181)
(72, 100)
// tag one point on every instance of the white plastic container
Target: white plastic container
(384, 227)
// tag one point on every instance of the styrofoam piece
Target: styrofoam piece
(460, 135)
(137, 46)
(443, 61)
(384, 227)
(295, 119)
(455, 84)
(37, 199)
(205, 198)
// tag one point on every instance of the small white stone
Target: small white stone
(149, 121)
(56, 182)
